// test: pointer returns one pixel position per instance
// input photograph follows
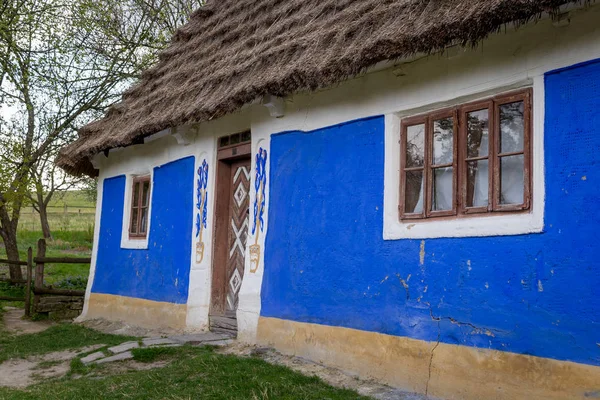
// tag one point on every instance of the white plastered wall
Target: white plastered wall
(504, 61)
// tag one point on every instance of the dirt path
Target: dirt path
(20, 373)
(16, 325)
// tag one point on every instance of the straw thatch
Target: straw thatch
(233, 52)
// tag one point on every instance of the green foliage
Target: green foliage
(67, 276)
(194, 373)
(72, 282)
(9, 290)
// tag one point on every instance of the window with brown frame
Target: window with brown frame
(140, 201)
(467, 160)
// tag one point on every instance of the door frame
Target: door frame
(225, 157)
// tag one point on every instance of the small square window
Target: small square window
(140, 204)
(471, 159)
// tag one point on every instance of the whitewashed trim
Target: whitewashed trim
(492, 225)
(96, 240)
(126, 241)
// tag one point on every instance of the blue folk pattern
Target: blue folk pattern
(201, 197)
(259, 185)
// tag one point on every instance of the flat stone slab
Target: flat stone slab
(123, 347)
(117, 357)
(158, 341)
(93, 357)
(165, 345)
(200, 338)
(219, 343)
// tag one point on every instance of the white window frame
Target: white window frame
(494, 224)
(126, 241)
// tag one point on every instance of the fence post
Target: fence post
(39, 271)
(28, 285)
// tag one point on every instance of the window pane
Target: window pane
(443, 140)
(144, 221)
(413, 198)
(442, 189)
(134, 215)
(512, 185)
(512, 127)
(477, 184)
(146, 193)
(415, 146)
(136, 194)
(224, 141)
(477, 133)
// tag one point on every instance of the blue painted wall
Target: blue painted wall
(326, 261)
(161, 272)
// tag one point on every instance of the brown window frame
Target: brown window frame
(139, 206)
(460, 159)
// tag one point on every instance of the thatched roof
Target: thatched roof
(233, 52)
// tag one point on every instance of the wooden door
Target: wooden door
(231, 235)
(239, 210)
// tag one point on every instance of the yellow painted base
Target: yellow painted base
(442, 370)
(139, 312)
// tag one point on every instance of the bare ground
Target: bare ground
(20, 373)
(16, 325)
(122, 328)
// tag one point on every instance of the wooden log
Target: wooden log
(16, 281)
(62, 260)
(12, 262)
(28, 282)
(39, 272)
(8, 298)
(59, 292)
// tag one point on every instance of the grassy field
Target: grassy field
(72, 211)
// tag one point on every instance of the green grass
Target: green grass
(56, 338)
(63, 244)
(151, 354)
(194, 373)
(73, 198)
(78, 215)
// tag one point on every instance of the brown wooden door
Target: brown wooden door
(231, 235)
(239, 203)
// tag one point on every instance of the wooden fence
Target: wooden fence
(34, 283)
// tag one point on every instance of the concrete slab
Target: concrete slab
(117, 357)
(164, 345)
(199, 338)
(123, 347)
(93, 357)
(158, 341)
(219, 343)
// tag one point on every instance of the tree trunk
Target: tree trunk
(12, 252)
(44, 221)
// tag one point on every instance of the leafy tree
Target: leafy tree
(61, 64)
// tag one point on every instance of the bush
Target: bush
(72, 282)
